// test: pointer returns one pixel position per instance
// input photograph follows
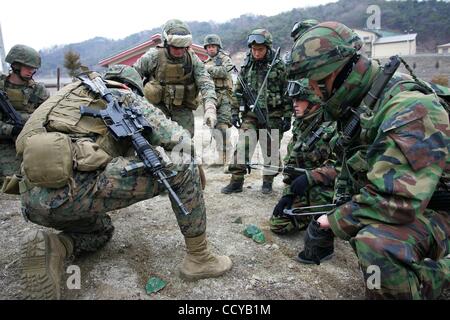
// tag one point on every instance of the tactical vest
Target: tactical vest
(82, 143)
(173, 83)
(253, 73)
(220, 83)
(22, 98)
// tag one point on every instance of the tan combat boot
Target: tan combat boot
(43, 256)
(200, 263)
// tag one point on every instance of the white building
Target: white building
(443, 48)
(382, 44)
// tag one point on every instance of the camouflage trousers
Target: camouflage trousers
(316, 195)
(249, 136)
(9, 162)
(411, 258)
(80, 211)
(223, 143)
(181, 115)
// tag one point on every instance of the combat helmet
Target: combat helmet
(301, 26)
(260, 36)
(212, 39)
(321, 50)
(176, 33)
(127, 75)
(24, 55)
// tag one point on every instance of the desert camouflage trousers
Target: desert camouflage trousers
(9, 162)
(411, 258)
(249, 136)
(80, 211)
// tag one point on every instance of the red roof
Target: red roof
(131, 55)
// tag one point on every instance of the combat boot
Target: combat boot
(43, 256)
(266, 187)
(233, 187)
(200, 263)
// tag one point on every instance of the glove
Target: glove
(210, 117)
(300, 185)
(235, 121)
(284, 203)
(319, 244)
(286, 124)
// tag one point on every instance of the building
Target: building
(131, 55)
(443, 48)
(381, 44)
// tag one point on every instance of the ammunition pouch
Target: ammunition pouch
(48, 159)
(153, 92)
(89, 156)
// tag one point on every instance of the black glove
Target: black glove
(319, 244)
(300, 185)
(286, 124)
(235, 121)
(284, 203)
(16, 130)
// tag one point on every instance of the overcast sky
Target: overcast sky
(44, 23)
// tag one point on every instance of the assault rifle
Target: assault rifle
(12, 116)
(129, 123)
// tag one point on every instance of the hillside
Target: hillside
(429, 19)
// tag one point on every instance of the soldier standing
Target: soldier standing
(174, 75)
(73, 177)
(272, 101)
(392, 192)
(219, 66)
(25, 95)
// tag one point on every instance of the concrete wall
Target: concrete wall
(388, 49)
(426, 66)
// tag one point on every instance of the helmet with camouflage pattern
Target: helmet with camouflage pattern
(25, 55)
(301, 26)
(260, 36)
(176, 33)
(212, 39)
(125, 74)
(300, 89)
(321, 50)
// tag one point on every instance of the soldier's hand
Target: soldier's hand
(210, 117)
(286, 124)
(235, 121)
(284, 203)
(300, 185)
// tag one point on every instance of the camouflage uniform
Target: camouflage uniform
(80, 208)
(309, 148)
(219, 68)
(173, 83)
(25, 99)
(395, 164)
(272, 99)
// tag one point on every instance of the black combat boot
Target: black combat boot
(319, 244)
(233, 187)
(266, 187)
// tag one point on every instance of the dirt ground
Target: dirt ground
(147, 242)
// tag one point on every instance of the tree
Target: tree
(72, 62)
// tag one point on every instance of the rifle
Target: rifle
(8, 110)
(288, 169)
(129, 123)
(252, 102)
